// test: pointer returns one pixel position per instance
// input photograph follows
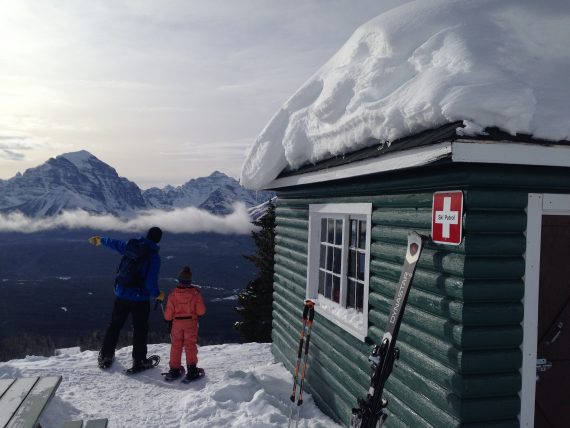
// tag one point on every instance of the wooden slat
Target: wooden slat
(499, 244)
(96, 423)
(295, 223)
(35, 403)
(293, 244)
(12, 399)
(4, 385)
(467, 290)
(289, 232)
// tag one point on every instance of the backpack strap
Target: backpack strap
(134, 264)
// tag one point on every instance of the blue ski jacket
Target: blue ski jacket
(151, 280)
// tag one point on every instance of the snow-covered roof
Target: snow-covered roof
(488, 63)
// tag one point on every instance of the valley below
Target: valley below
(55, 284)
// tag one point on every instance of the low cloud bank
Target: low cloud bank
(184, 220)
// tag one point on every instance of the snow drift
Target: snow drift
(421, 65)
(243, 387)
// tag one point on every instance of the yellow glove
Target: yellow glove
(160, 297)
(95, 240)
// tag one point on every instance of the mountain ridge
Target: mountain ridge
(81, 181)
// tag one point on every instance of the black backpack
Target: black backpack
(130, 273)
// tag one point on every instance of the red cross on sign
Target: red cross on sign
(446, 217)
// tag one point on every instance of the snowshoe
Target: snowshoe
(193, 375)
(142, 365)
(174, 374)
(104, 362)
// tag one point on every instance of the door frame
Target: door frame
(539, 204)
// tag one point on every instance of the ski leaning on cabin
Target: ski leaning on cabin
(370, 413)
(308, 316)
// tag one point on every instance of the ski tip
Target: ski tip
(415, 244)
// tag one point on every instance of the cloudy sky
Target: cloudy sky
(163, 91)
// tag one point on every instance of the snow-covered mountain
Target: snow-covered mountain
(79, 180)
(243, 387)
(70, 181)
(216, 193)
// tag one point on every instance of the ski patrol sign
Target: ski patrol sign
(446, 217)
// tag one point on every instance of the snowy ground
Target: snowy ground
(243, 387)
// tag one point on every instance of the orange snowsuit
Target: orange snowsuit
(184, 306)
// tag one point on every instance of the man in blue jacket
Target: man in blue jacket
(136, 283)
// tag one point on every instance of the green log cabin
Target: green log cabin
(485, 338)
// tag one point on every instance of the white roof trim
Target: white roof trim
(510, 153)
(473, 151)
(389, 162)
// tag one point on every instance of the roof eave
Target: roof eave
(461, 151)
(389, 162)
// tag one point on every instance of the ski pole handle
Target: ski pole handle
(309, 310)
(312, 313)
(305, 311)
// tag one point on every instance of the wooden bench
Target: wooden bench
(23, 400)
(95, 423)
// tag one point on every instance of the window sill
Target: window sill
(347, 319)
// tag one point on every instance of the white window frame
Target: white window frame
(362, 211)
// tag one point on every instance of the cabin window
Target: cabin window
(339, 257)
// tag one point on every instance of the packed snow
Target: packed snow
(345, 316)
(421, 65)
(243, 387)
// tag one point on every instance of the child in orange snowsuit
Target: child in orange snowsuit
(185, 305)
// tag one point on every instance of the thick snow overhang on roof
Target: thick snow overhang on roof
(428, 147)
(424, 64)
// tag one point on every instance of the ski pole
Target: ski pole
(305, 358)
(308, 314)
(298, 363)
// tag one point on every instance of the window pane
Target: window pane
(359, 296)
(338, 232)
(330, 230)
(336, 289)
(329, 258)
(361, 263)
(337, 260)
(321, 282)
(352, 264)
(328, 286)
(323, 230)
(350, 295)
(353, 233)
(322, 256)
(362, 235)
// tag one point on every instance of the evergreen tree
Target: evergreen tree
(257, 298)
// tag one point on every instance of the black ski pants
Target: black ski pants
(121, 310)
